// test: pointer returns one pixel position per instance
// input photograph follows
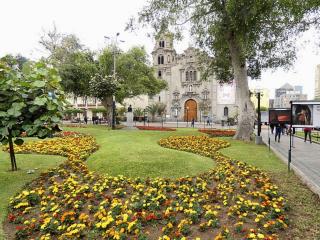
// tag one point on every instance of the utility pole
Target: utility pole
(114, 76)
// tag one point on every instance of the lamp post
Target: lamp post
(187, 110)
(115, 41)
(176, 115)
(258, 94)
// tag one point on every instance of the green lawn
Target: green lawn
(315, 136)
(12, 182)
(136, 153)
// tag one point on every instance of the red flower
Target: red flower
(155, 128)
(151, 216)
(19, 228)
(11, 217)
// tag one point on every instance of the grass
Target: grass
(12, 182)
(305, 207)
(315, 136)
(137, 154)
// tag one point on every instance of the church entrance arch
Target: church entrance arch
(190, 110)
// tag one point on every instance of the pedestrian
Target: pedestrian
(86, 119)
(307, 131)
(192, 123)
(272, 127)
(278, 132)
(208, 121)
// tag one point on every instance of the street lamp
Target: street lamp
(258, 94)
(176, 115)
(114, 78)
(187, 110)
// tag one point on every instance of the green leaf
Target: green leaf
(15, 109)
(19, 141)
(51, 106)
(43, 133)
(3, 114)
(4, 141)
(40, 101)
(55, 119)
(39, 84)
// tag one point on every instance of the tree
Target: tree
(31, 101)
(133, 76)
(161, 108)
(76, 72)
(152, 109)
(76, 65)
(17, 60)
(156, 108)
(239, 37)
(138, 112)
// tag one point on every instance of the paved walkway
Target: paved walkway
(305, 158)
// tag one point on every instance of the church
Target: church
(187, 96)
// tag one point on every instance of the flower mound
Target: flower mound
(155, 128)
(233, 201)
(219, 132)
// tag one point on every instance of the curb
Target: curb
(314, 188)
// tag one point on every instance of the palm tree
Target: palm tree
(152, 109)
(161, 108)
(138, 113)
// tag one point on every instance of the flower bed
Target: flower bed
(155, 128)
(219, 132)
(232, 201)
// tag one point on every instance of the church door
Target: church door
(190, 110)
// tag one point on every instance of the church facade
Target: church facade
(187, 96)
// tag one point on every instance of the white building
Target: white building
(188, 96)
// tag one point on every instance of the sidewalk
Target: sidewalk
(305, 158)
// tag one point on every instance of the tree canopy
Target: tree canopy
(240, 37)
(31, 101)
(134, 76)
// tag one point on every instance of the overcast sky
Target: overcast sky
(23, 22)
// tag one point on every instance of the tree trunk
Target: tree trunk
(245, 106)
(107, 103)
(12, 155)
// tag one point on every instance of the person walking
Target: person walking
(86, 119)
(278, 132)
(192, 123)
(272, 127)
(307, 131)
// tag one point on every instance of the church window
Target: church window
(226, 111)
(159, 74)
(190, 75)
(161, 44)
(190, 88)
(194, 75)
(160, 59)
(187, 76)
